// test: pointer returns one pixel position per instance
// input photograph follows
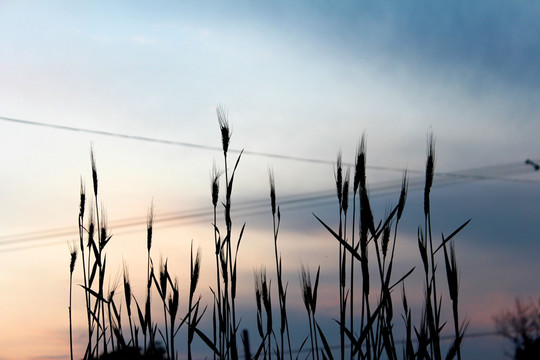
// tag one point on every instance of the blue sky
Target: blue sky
(298, 79)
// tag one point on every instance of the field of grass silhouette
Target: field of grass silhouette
(121, 326)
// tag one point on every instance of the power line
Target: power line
(466, 173)
(108, 133)
(178, 143)
(259, 206)
(299, 201)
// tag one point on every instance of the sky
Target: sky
(298, 79)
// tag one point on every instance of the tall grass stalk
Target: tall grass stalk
(127, 296)
(282, 290)
(263, 299)
(82, 231)
(150, 272)
(453, 289)
(309, 296)
(376, 337)
(195, 266)
(99, 309)
(228, 261)
(338, 175)
(162, 287)
(95, 265)
(219, 339)
(433, 308)
(359, 175)
(73, 259)
(174, 303)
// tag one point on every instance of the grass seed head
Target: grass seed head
(174, 300)
(103, 235)
(224, 127)
(127, 290)
(224, 264)
(360, 165)
(305, 280)
(91, 231)
(149, 225)
(215, 184)
(451, 272)
(195, 272)
(73, 257)
(422, 247)
(402, 195)
(339, 178)
(345, 201)
(385, 239)
(430, 170)
(82, 201)
(366, 215)
(265, 296)
(272, 191)
(94, 172)
(163, 275)
(258, 291)
(258, 302)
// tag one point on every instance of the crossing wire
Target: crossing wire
(485, 172)
(249, 208)
(178, 143)
(497, 172)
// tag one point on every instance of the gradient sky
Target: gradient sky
(301, 79)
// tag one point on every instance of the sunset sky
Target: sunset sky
(301, 81)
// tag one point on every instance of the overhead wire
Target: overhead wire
(300, 199)
(496, 172)
(176, 143)
(510, 168)
(246, 208)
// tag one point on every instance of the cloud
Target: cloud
(484, 39)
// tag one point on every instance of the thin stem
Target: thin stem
(70, 321)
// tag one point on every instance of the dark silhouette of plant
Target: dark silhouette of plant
(73, 259)
(376, 336)
(133, 353)
(367, 247)
(225, 322)
(521, 325)
(282, 290)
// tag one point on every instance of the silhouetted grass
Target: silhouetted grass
(367, 332)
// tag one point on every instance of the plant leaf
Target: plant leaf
(325, 343)
(343, 242)
(207, 341)
(452, 235)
